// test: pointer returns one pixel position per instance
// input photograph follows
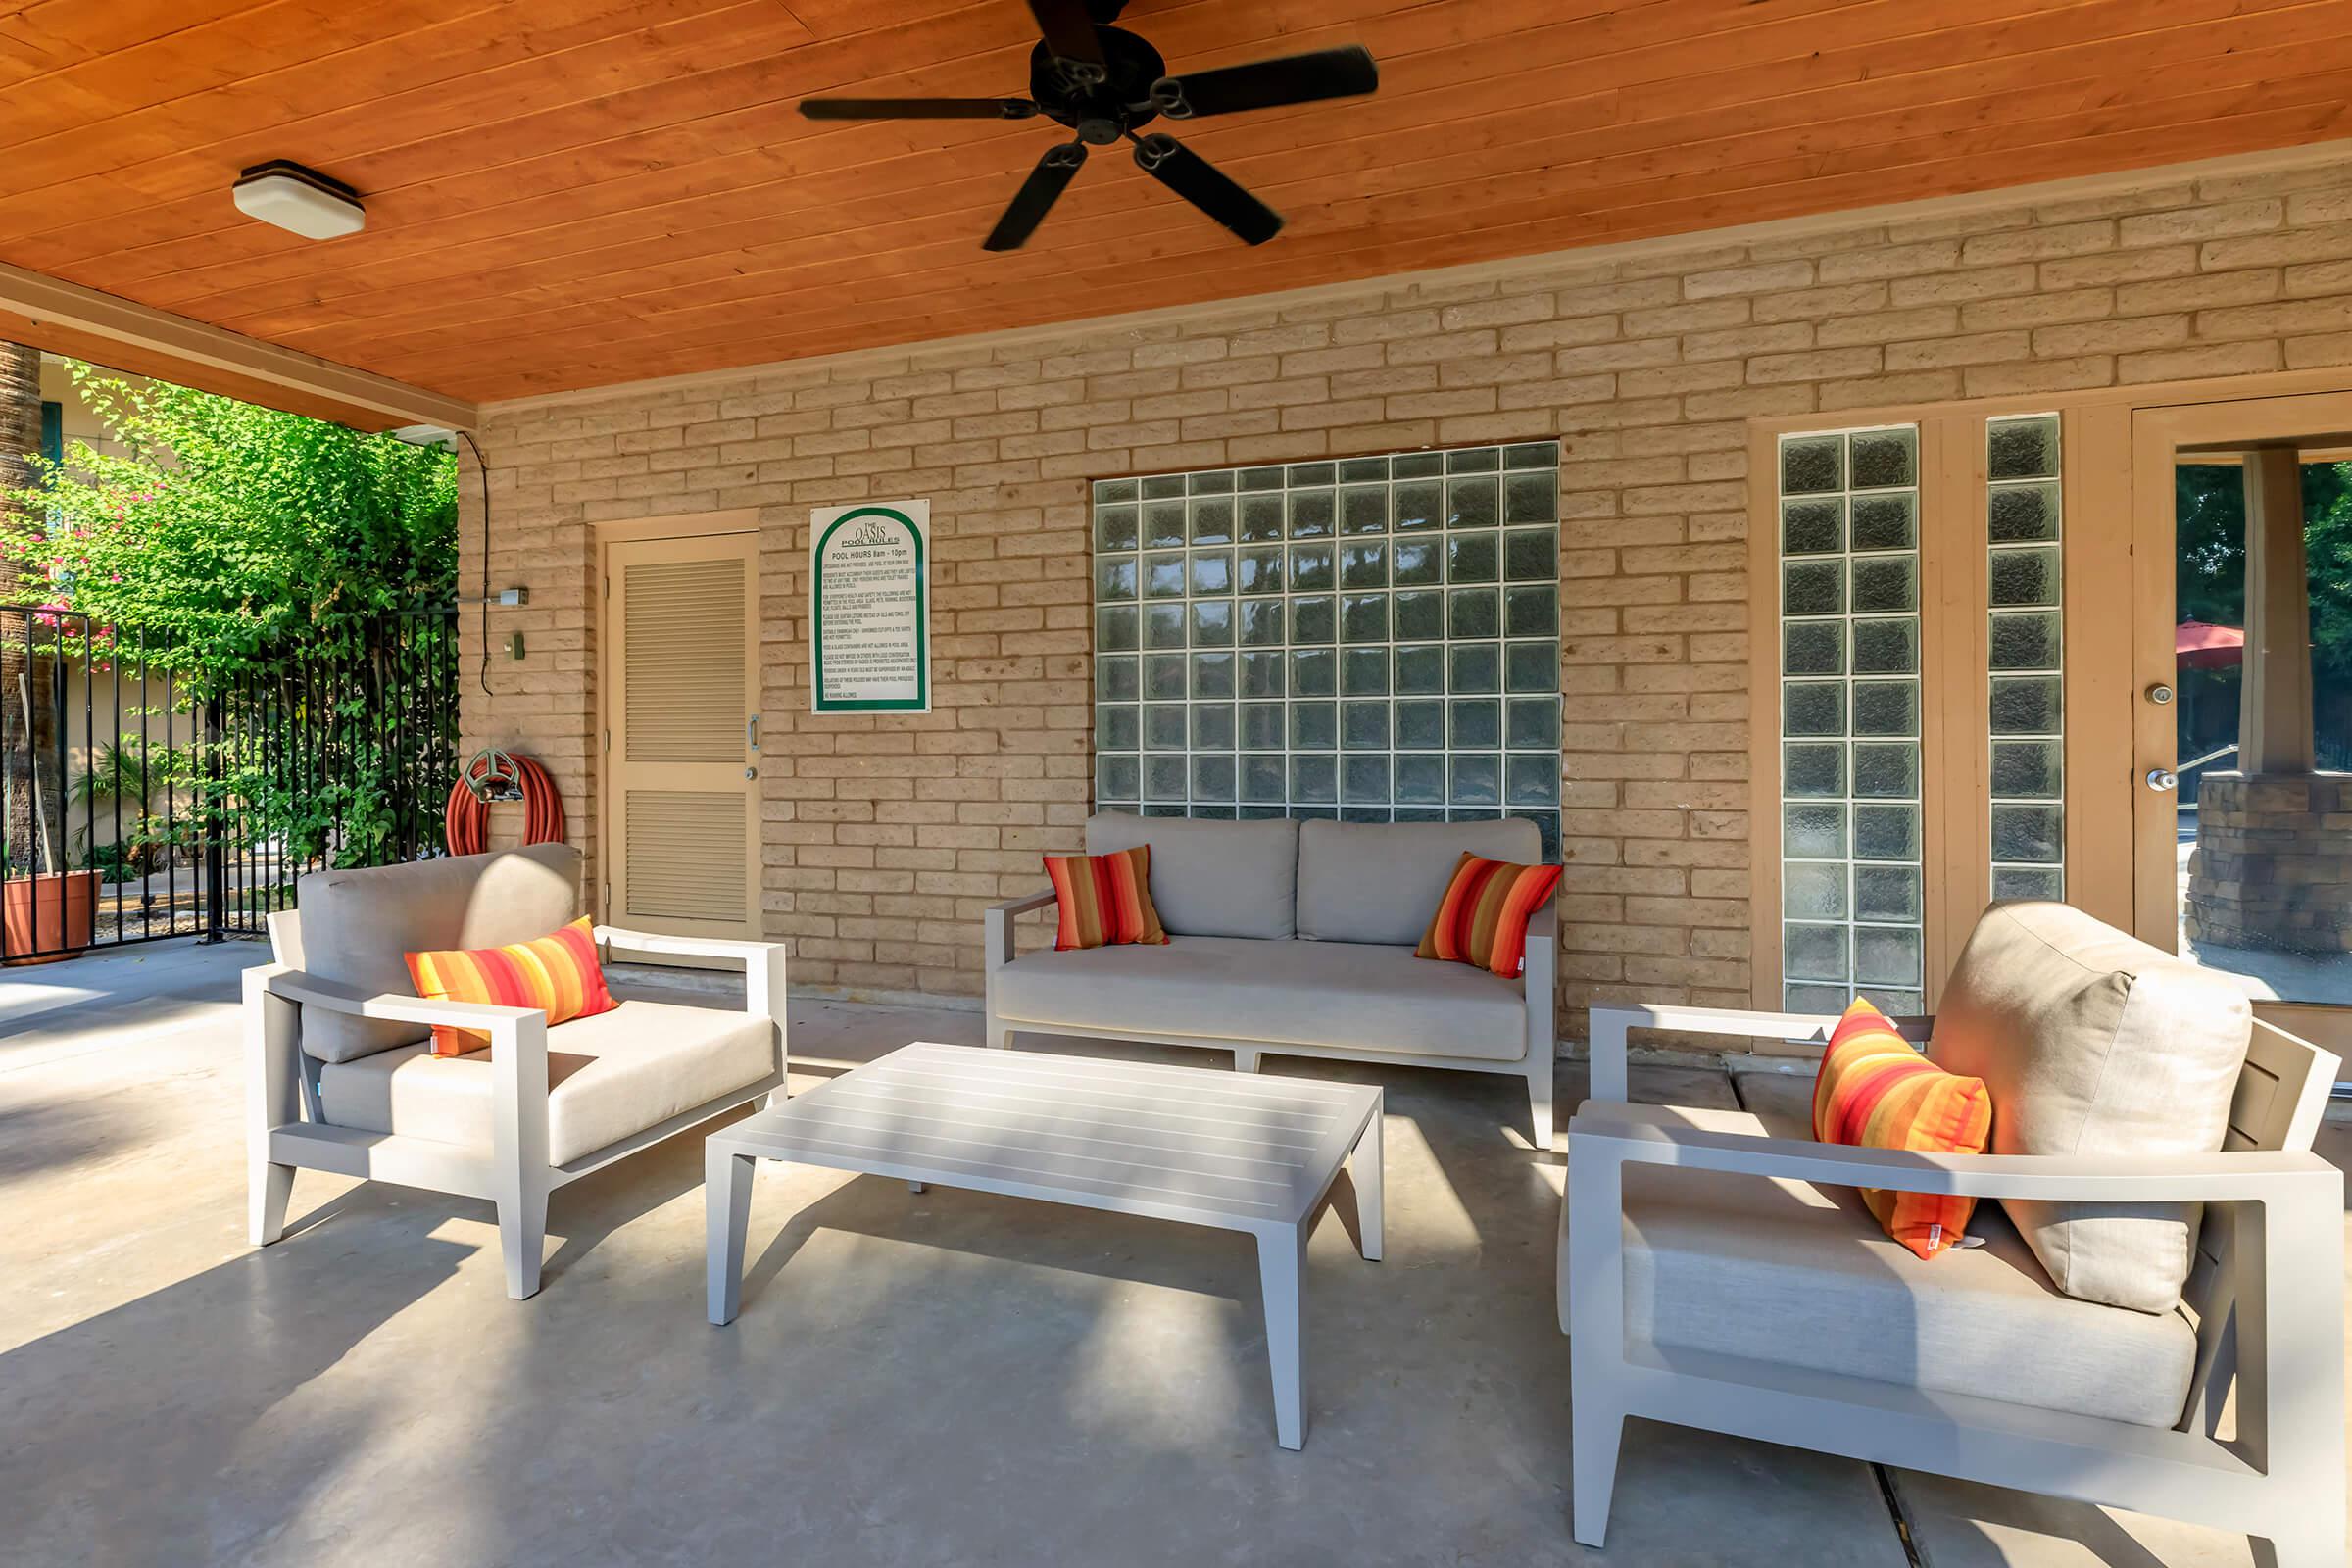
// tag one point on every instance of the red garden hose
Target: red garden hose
(468, 822)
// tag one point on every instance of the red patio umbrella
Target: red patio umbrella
(2197, 645)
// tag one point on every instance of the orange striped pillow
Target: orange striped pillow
(1876, 1092)
(557, 974)
(1105, 900)
(1482, 917)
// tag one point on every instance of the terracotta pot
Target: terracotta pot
(58, 910)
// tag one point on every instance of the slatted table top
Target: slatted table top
(1235, 1151)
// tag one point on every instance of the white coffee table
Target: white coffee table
(1235, 1151)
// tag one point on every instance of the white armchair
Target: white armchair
(1824, 1335)
(341, 1077)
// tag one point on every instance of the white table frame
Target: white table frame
(991, 1130)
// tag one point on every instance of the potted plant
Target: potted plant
(44, 916)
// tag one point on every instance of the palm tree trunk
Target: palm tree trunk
(20, 732)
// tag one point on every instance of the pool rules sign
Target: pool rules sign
(869, 607)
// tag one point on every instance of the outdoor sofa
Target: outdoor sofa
(1294, 937)
(1718, 1270)
(342, 1075)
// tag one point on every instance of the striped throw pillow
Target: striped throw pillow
(1875, 1091)
(1105, 900)
(557, 974)
(1482, 917)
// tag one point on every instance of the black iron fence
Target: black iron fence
(139, 802)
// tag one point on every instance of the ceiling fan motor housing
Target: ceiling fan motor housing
(1104, 110)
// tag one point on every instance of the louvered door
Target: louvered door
(682, 793)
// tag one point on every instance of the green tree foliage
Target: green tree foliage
(231, 532)
(2210, 517)
(255, 555)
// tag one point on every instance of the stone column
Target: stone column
(2273, 729)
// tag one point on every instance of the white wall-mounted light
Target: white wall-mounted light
(300, 199)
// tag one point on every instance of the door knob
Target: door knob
(2161, 779)
(751, 772)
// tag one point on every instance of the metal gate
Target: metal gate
(138, 803)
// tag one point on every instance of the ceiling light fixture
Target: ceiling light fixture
(300, 199)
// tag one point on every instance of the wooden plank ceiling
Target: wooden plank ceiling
(571, 193)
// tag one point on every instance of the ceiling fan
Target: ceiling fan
(1104, 83)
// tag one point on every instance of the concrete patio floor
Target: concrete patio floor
(937, 1379)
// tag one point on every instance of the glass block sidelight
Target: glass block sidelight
(1376, 639)
(2026, 698)
(1851, 828)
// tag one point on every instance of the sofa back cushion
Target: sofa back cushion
(1381, 882)
(1211, 879)
(2093, 1042)
(359, 926)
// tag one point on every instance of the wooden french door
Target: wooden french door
(1946, 624)
(1972, 681)
(682, 690)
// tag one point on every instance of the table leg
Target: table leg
(727, 1212)
(1281, 1278)
(1364, 1169)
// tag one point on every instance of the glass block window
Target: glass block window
(1851, 829)
(2023, 537)
(1374, 639)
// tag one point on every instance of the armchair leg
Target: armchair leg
(1540, 1072)
(270, 1189)
(523, 1238)
(1245, 1060)
(1595, 1433)
(1000, 1035)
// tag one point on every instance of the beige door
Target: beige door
(681, 741)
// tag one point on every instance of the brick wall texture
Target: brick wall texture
(885, 836)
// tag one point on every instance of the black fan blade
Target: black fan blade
(1268, 84)
(918, 107)
(1199, 181)
(1036, 197)
(1069, 29)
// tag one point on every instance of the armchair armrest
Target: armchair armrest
(1622, 1135)
(1611, 1021)
(517, 1049)
(1541, 982)
(998, 922)
(764, 986)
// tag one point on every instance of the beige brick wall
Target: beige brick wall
(886, 835)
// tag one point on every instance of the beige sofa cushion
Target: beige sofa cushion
(2093, 1042)
(609, 1076)
(1299, 992)
(1799, 1275)
(1210, 878)
(358, 926)
(1381, 882)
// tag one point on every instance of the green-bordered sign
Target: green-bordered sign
(869, 607)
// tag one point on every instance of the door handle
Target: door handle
(2161, 779)
(751, 732)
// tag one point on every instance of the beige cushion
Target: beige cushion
(2093, 1042)
(1381, 882)
(1209, 878)
(1302, 993)
(609, 1076)
(358, 927)
(1799, 1275)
